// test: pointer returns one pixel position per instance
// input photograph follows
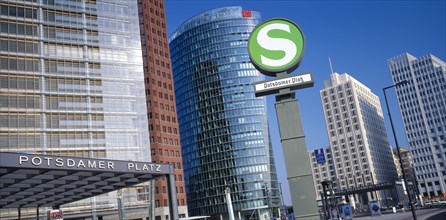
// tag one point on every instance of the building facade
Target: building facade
(223, 126)
(422, 103)
(160, 100)
(72, 84)
(357, 135)
(407, 161)
(322, 171)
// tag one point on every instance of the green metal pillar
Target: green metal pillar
(300, 178)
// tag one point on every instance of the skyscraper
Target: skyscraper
(160, 99)
(357, 135)
(72, 84)
(422, 103)
(223, 126)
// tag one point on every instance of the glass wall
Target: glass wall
(223, 126)
(72, 81)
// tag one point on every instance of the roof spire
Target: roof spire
(331, 66)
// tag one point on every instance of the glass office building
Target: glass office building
(72, 83)
(223, 126)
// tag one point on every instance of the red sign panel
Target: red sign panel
(246, 13)
(55, 214)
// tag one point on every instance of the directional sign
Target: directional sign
(320, 157)
(293, 82)
(276, 45)
(375, 208)
(347, 212)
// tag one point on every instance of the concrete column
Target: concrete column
(297, 162)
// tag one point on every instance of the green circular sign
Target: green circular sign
(276, 45)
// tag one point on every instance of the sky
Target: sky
(358, 36)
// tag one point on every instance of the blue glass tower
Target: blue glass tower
(223, 126)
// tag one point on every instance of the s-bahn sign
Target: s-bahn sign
(275, 46)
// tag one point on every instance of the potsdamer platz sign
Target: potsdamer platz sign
(31, 180)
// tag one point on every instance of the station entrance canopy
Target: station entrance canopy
(32, 180)
(367, 188)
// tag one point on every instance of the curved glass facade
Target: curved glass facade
(72, 83)
(223, 126)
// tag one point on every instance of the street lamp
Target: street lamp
(283, 203)
(398, 148)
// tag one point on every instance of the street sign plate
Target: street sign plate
(319, 155)
(292, 82)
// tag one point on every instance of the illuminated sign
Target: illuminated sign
(293, 82)
(86, 163)
(276, 45)
(55, 214)
(75, 163)
(246, 13)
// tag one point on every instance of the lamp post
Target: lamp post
(281, 195)
(398, 148)
(283, 203)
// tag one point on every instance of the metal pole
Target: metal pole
(281, 194)
(425, 187)
(398, 149)
(324, 205)
(19, 214)
(152, 199)
(283, 201)
(229, 204)
(121, 208)
(325, 198)
(415, 182)
(173, 204)
(373, 183)
(268, 200)
(93, 208)
(151, 195)
(37, 213)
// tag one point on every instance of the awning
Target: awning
(31, 180)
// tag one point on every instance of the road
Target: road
(422, 214)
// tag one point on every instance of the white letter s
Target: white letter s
(282, 44)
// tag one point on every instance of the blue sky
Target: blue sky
(359, 36)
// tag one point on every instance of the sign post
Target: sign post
(276, 48)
